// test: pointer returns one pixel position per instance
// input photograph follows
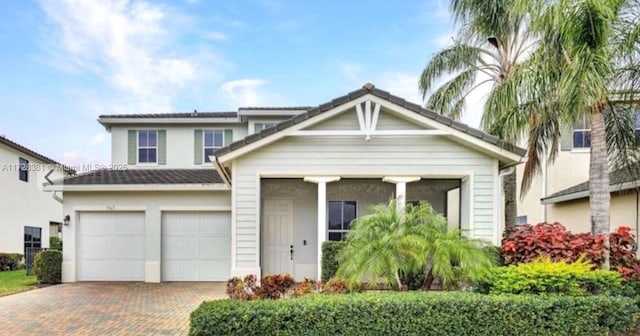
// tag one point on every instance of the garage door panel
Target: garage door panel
(111, 246)
(196, 246)
(209, 269)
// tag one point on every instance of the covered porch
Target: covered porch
(298, 214)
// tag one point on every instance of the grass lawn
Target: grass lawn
(12, 282)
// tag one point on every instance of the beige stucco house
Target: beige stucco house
(28, 216)
(561, 192)
(205, 196)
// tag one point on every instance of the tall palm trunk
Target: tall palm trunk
(510, 205)
(599, 197)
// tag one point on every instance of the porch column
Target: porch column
(321, 181)
(401, 188)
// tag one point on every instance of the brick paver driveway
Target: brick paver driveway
(105, 309)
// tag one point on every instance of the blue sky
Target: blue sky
(64, 62)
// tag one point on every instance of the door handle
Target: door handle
(291, 251)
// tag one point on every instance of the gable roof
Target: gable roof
(14, 145)
(144, 176)
(619, 180)
(370, 89)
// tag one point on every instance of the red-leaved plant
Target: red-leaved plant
(528, 242)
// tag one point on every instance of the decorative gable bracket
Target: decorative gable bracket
(367, 119)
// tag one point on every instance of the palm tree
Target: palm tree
(490, 43)
(390, 242)
(587, 55)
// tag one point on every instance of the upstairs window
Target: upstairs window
(582, 133)
(147, 146)
(268, 125)
(212, 141)
(341, 213)
(23, 170)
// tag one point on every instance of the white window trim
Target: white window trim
(204, 144)
(21, 169)
(146, 147)
(342, 230)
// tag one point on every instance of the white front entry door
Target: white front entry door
(111, 246)
(277, 233)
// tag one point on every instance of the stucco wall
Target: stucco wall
(24, 203)
(180, 143)
(570, 168)
(150, 202)
(575, 214)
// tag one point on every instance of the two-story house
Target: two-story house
(28, 216)
(206, 196)
(561, 192)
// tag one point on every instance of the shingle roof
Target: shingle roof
(171, 115)
(277, 108)
(616, 178)
(25, 150)
(366, 89)
(145, 176)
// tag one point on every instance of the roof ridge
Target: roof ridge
(10, 143)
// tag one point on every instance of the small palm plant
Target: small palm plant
(390, 242)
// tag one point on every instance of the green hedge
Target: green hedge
(417, 313)
(543, 276)
(330, 251)
(55, 243)
(48, 267)
(9, 261)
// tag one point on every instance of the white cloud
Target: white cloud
(351, 71)
(245, 92)
(401, 84)
(97, 139)
(444, 40)
(128, 44)
(81, 160)
(215, 36)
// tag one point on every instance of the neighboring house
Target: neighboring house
(206, 196)
(561, 192)
(28, 216)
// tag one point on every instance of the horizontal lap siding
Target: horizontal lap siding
(300, 156)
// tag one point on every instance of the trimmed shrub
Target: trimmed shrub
(543, 276)
(55, 243)
(9, 261)
(275, 286)
(48, 267)
(330, 252)
(417, 313)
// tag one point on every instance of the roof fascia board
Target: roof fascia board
(274, 113)
(119, 121)
(418, 118)
(585, 193)
(137, 187)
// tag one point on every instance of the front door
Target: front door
(277, 231)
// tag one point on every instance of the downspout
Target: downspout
(223, 173)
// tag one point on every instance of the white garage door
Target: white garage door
(111, 246)
(196, 246)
